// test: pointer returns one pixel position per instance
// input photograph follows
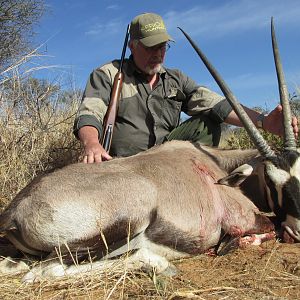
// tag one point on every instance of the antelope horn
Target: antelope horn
(289, 139)
(253, 132)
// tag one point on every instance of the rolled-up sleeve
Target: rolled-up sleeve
(221, 111)
(94, 103)
(201, 99)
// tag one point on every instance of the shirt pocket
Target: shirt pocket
(172, 108)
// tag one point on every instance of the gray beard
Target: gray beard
(153, 71)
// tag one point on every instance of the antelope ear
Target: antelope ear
(237, 176)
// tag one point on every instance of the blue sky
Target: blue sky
(77, 36)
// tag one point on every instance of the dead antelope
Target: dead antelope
(161, 204)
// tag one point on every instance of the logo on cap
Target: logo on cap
(153, 26)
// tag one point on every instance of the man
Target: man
(152, 99)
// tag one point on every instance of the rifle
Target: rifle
(111, 113)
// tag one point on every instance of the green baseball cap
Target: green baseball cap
(149, 29)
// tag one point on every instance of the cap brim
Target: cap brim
(156, 39)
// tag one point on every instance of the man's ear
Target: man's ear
(131, 45)
(237, 176)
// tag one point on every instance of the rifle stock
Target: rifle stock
(110, 116)
(111, 113)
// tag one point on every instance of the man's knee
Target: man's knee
(200, 129)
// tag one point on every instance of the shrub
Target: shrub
(36, 120)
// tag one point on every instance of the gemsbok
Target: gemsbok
(169, 202)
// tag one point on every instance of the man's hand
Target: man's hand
(93, 150)
(273, 122)
(94, 153)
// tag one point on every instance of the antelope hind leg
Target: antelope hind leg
(11, 266)
(142, 258)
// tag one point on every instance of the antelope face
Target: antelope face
(282, 173)
(282, 177)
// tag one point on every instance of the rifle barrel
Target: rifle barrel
(124, 48)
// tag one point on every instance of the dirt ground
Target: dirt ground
(271, 271)
(267, 272)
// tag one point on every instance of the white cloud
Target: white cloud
(249, 81)
(216, 20)
(108, 28)
(232, 16)
(113, 7)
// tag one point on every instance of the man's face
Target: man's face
(148, 59)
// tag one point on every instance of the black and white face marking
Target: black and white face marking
(282, 177)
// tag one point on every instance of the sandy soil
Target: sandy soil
(271, 271)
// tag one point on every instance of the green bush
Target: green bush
(238, 138)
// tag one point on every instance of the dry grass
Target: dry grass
(36, 119)
(269, 272)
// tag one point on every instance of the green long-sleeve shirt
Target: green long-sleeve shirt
(145, 117)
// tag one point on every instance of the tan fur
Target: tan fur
(168, 196)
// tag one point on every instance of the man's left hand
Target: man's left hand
(273, 122)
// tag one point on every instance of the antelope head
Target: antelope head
(281, 172)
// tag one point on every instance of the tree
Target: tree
(17, 21)
(295, 104)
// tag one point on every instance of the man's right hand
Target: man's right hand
(94, 153)
(93, 150)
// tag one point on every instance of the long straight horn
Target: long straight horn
(253, 132)
(289, 139)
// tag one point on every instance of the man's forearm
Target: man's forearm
(88, 134)
(233, 119)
